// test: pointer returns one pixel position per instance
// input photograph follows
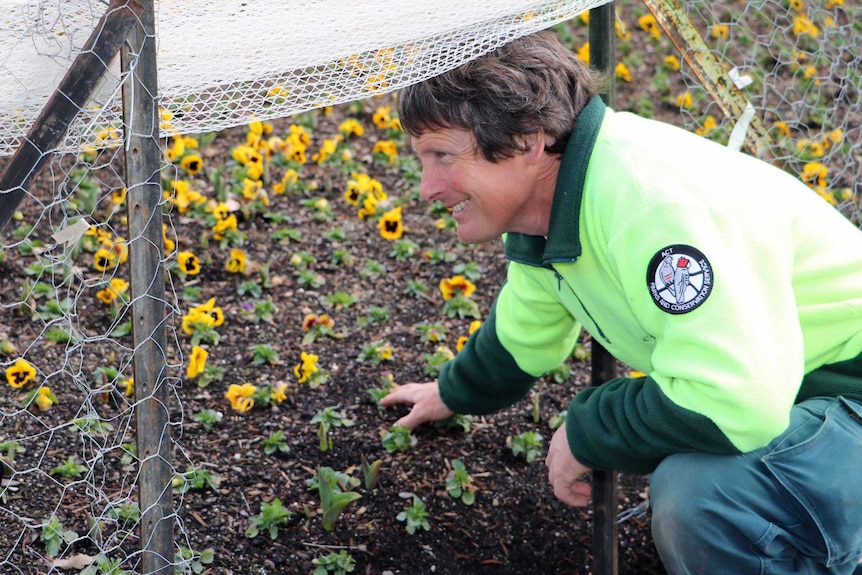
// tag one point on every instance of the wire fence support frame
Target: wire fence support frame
(672, 17)
(147, 285)
(74, 91)
(602, 38)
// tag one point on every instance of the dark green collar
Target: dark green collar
(563, 243)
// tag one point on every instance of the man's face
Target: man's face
(486, 198)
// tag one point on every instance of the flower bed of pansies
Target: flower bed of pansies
(307, 278)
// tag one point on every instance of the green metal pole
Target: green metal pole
(605, 537)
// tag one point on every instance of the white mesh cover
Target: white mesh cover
(223, 62)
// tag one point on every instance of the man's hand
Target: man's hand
(426, 402)
(564, 471)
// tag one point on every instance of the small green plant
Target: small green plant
(104, 565)
(311, 279)
(92, 425)
(263, 354)
(469, 270)
(434, 361)
(537, 414)
(387, 383)
(208, 418)
(459, 483)
(415, 288)
(371, 270)
(127, 513)
(195, 479)
(398, 438)
(275, 443)
(70, 469)
(264, 311)
(457, 421)
(376, 314)
(404, 249)
(558, 420)
(54, 536)
(461, 306)
(341, 300)
(416, 516)
(285, 235)
(187, 559)
(437, 256)
(375, 353)
(335, 234)
(332, 499)
(342, 256)
(271, 517)
(249, 288)
(337, 563)
(325, 420)
(301, 260)
(431, 332)
(560, 373)
(528, 445)
(370, 472)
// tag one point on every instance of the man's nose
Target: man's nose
(430, 187)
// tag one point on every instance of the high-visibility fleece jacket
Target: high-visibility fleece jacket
(731, 284)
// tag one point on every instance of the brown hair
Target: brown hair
(531, 83)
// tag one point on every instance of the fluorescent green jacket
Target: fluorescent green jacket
(725, 280)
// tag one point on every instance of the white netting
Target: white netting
(223, 62)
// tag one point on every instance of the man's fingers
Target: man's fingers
(574, 495)
(400, 394)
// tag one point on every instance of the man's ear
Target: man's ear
(535, 144)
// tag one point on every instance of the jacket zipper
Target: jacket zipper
(589, 315)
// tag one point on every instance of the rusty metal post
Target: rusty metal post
(602, 36)
(74, 91)
(144, 197)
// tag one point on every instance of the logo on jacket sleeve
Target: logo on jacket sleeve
(679, 278)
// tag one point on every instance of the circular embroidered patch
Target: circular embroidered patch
(679, 278)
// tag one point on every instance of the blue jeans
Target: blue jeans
(792, 507)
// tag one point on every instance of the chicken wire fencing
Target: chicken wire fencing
(69, 471)
(71, 475)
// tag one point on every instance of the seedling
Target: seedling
(262, 354)
(431, 332)
(527, 444)
(458, 421)
(327, 419)
(435, 361)
(404, 249)
(332, 499)
(459, 483)
(416, 516)
(558, 420)
(186, 559)
(336, 563)
(371, 472)
(271, 516)
(70, 469)
(208, 418)
(194, 480)
(375, 353)
(469, 270)
(54, 536)
(398, 438)
(275, 443)
(341, 300)
(104, 565)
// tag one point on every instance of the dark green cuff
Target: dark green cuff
(629, 424)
